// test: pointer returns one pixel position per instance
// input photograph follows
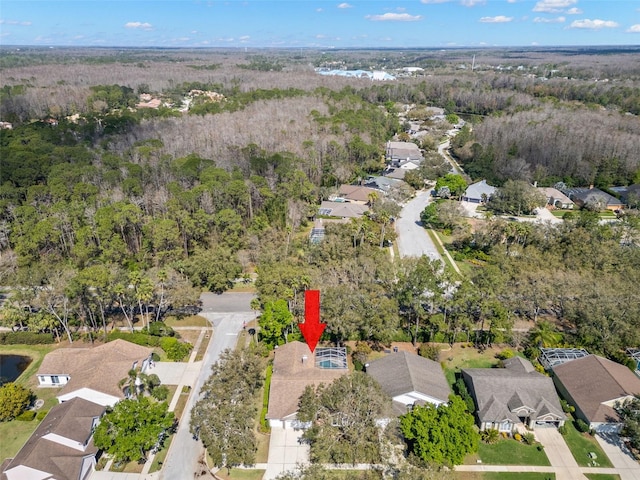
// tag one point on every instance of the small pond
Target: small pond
(12, 366)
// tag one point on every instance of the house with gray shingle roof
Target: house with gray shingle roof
(61, 447)
(399, 153)
(516, 394)
(593, 385)
(410, 379)
(478, 192)
(595, 198)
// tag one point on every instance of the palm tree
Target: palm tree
(490, 436)
(545, 335)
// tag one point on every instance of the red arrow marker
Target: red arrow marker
(312, 328)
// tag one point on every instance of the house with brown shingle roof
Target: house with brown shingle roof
(409, 380)
(294, 368)
(342, 210)
(93, 373)
(358, 194)
(61, 447)
(516, 394)
(593, 385)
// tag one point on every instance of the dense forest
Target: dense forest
(108, 209)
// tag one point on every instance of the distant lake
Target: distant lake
(12, 366)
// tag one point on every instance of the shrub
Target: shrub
(517, 437)
(41, 414)
(430, 351)
(25, 338)
(160, 329)
(138, 338)
(14, 399)
(529, 438)
(582, 426)
(505, 354)
(566, 407)
(174, 349)
(562, 430)
(160, 393)
(26, 416)
(361, 352)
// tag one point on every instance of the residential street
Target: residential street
(413, 240)
(227, 313)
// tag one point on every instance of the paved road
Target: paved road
(413, 240)
(443, 150)
(183, 456)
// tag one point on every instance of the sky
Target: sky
(319, 23)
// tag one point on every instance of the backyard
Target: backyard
(15, 433)
(461, 355)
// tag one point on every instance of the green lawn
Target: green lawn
(511, 452)
(240, 474)
(458, 358)
(602, 476)
(14, 434)
(192, 321)
(518, 476)
(581, 444)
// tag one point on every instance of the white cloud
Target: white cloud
(14, 22)
(472, 3)
(496, 19)
(574, 11)
(434, 1)
(394, 17)
(549, 20)
(593, 24)
(345, 5)
(634, 28)
(140, 25)
(319, 10)
(553, 6)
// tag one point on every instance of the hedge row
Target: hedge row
(264, 423)
(25, 338)
(138, 338)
